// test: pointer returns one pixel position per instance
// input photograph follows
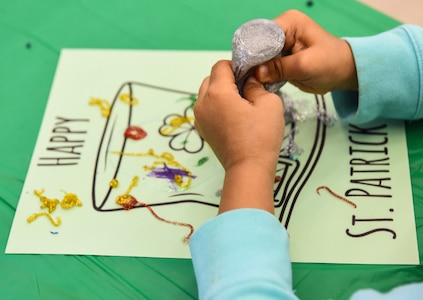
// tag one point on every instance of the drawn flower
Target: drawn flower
(182, 133)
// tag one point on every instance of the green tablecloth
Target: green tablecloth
(31, 36)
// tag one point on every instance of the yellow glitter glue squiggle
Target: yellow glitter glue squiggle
(50, 204)
(128, 99)
(126, 198)
(114, 183)
(174, 124)
(103, 104)
(70, 200)
(35, 216)
(164, 158)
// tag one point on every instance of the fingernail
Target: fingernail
(263, 72)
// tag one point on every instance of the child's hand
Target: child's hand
(315, 60)
(239, 129)
(245, 134)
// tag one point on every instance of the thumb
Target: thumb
(277, 69)
(254, 90)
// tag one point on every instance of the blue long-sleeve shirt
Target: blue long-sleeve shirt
(390, 77)
(244, 253)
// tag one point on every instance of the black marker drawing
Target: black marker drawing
(294, 173)
(183, 137)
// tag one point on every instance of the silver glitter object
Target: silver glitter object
(254, 43)
(328, 120)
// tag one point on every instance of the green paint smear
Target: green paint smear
(202, 161)
(191, 98)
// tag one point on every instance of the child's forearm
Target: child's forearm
(248, 186)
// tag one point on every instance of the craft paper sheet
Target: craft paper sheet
(171, 173)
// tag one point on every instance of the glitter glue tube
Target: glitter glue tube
(254, 43)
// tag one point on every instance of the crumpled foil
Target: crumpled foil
(254, 43)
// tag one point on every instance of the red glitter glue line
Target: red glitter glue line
(135, 133)
(133, 202)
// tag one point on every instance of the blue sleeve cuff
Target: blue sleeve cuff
(243, 254)
(390, 77)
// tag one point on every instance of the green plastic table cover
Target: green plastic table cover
(32, 33)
